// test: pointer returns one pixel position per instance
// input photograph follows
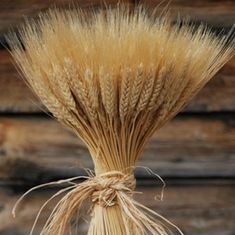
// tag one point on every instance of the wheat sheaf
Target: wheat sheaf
(114, 76)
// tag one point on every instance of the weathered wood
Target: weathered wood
(37, 149)
(215, 13)
(15, 96)
(197, 209)
(218, 94)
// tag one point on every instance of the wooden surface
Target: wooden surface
(187, 147)
(194, 153)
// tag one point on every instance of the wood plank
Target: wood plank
(37, 149)
(216, 13)
(196, 209)
(15, 96)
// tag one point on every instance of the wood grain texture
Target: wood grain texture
(15, 96)
(216, 13)
(207, 209)
(37, 149)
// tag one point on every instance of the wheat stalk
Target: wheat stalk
(114, 78)
(124, 93)
(146, 93)
(136, 87)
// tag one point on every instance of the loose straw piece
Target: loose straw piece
(106, 190)
(114, 76)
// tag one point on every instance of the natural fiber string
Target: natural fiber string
(106, 190)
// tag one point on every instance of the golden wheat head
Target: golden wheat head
(115, 76)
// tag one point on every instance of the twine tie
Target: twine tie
(105, 190)
(108, 185)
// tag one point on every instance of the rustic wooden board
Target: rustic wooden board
(207, 209)
(38, 149)
(215, 13)
(15, 96)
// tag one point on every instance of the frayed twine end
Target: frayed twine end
(105, 190)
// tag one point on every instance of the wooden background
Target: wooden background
(194, 153)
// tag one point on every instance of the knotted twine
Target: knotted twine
(109, 189)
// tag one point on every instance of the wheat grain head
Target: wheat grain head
(115, 77)
(116, 66)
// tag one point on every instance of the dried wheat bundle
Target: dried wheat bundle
(114, 76)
